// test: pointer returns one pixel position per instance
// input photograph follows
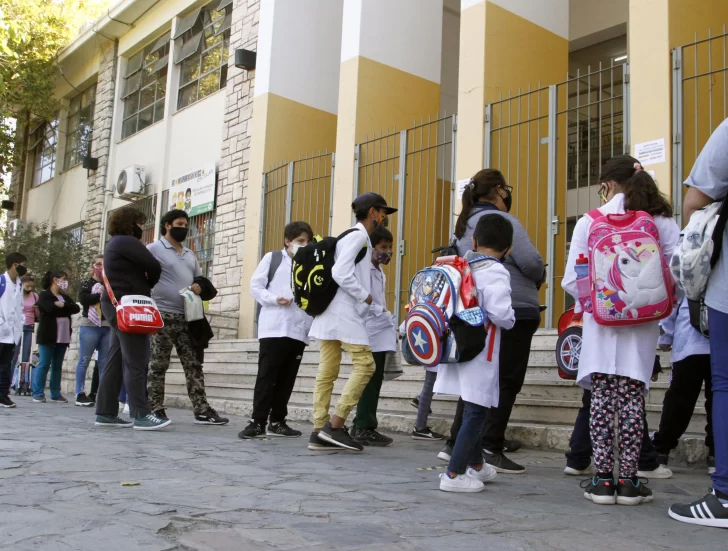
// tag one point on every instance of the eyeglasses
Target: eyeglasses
(508, 188)
(98, 264)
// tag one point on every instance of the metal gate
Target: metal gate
(300, 190)
(550, 143)
(414, 170)
(700, 104)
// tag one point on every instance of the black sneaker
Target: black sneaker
(6, 402)
(339, 437)
(84, 401)
(511, 446)
(633, 493)
(92, 397)
(445, 453)
(601, 491)
(415, 403)
(282, 430)
(161, 414)
(210, 417)
(426, 434)
(253, 430)
(370, 437)
(502, 464)
(708, 511)
(315, 444)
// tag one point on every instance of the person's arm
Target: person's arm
(47, 303)
(142, 257)
(497, 298)
(668, 329)
(344, 268)
(86, 297)
(5, 328)
(69, 306)
(694, 200)
(259, 283)
(524, 255)
(579, 245)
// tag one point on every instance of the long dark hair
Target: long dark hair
(639, 188)
(49, 276)
(482, 186)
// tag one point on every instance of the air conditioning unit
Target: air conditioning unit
(131, 183)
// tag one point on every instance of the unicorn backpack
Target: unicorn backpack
(631, 281)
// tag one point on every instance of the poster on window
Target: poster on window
(194, 191)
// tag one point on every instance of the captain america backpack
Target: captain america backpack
(443, 306)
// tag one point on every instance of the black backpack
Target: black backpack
(313, 285)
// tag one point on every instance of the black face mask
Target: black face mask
(178, 234)
(508, 201)
(21, 270)
(136, 231)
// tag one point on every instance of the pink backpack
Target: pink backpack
(631, 281)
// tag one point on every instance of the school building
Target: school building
(252, 113)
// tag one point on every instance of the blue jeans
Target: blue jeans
(718, 324)
(90, 339)
(51, 358)
(468, 449)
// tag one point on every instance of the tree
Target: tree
(32, 33)
(47, 249)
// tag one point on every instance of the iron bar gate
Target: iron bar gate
(550, 143)
(414, 170)
(700, 104)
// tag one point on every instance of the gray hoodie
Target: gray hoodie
(524, 263)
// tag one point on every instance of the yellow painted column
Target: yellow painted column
(294, 110)
(390, 76)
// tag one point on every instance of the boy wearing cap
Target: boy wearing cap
(342, 325)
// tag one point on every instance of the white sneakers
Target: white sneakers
(660, 472)
(470, 482)
(579, 472)
(126, 409)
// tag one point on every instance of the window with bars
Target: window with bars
(72, 234)
(203, 56)
(79, 127)
(44, 149)
(145, 86)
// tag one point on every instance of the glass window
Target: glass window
(145, 85)
(203, 57)
(44, 152)
(79, 127)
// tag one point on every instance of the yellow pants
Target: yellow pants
(328, 372)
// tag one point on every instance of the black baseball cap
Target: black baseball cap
(370, 200)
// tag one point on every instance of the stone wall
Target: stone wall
(101, 144)
(16, 191)
(233, 177)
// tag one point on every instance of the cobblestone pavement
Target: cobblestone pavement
(200, 488)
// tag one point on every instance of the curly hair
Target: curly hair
(122, 221)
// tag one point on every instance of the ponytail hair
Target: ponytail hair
(49, 276)
(481, 186)
(639, 188)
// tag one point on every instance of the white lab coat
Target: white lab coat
(380, 323)
(683, 337)
(11, 312)
(626, 351)
(344, 319)
(476, 381)
(277, 321)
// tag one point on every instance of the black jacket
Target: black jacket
(47, 328)
(130, 268)
(87, 298)
(200, 330)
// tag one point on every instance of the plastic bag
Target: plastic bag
(194, 309)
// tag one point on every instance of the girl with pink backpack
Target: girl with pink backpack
(627, 243)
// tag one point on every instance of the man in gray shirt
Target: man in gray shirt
(179, 270)
(708, 183)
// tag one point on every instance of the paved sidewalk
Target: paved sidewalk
(200, 488)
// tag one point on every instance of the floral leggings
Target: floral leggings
(627, 396)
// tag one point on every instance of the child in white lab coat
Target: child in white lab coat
(616, 362)
(476, 381)
(382, 339)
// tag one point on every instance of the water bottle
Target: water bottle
(583, 283)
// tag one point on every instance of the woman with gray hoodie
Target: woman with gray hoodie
(488, 193)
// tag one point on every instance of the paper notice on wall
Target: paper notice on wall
(461, 187)
(650, 153)
(194, 191)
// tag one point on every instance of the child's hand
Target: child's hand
(284, 301)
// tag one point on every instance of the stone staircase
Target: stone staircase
(543, 415)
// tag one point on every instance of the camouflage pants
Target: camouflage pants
(175, 333)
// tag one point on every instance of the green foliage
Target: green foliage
(47, 249)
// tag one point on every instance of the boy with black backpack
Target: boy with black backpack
(283, 334)
(342, 324)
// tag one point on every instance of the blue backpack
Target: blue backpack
(3, 284)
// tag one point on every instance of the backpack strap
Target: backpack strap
(362, 253)
(3, 284)
(596, 214)
(109, 291)
(275, 263)
(718, 232)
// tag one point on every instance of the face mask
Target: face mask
(178, 234)
(294, 248)
(508, 201)
(137, 232)
(63, 285)
(21, 270)
(381, 257)
(98, 272)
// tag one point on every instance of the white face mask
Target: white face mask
(295, 247)
(63, 285)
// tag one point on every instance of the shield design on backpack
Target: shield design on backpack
(425, 326)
